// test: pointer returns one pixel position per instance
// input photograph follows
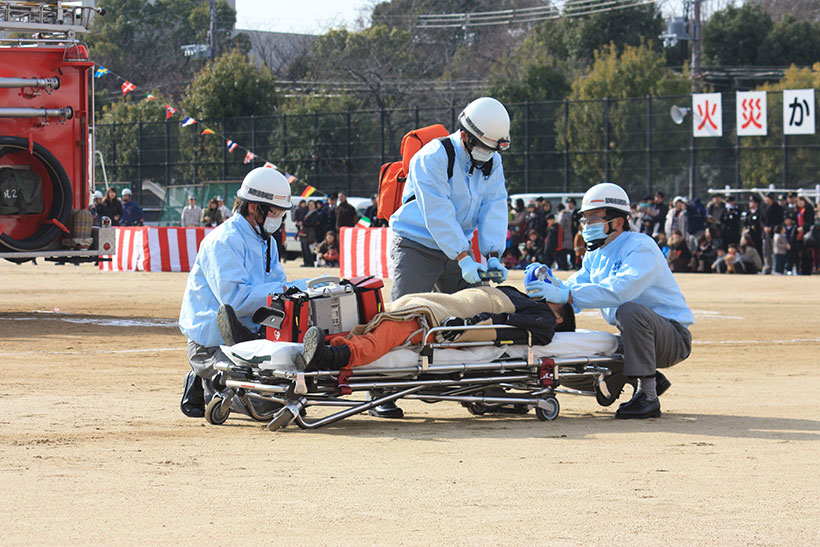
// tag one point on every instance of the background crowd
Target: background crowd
(778, 234)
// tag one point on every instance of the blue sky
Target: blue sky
(316, 16)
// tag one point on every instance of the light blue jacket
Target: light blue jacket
(229, 269)
(630, 268)
(445, 213)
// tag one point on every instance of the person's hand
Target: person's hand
(494, 264)
(544, 290)
(470, 269)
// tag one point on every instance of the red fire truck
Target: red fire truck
(46, 136)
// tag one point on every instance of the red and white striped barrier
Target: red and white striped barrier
(155, 249)
(366, 251)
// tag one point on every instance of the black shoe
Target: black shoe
(193, 398)
(231, 329)
(661, 383)
(614, 384)
(386, 410)
(639, 407)
(316, 355)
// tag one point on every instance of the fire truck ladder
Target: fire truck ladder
(46, 17)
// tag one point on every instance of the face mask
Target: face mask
(594, 232)
(271, 224)
(481, 155)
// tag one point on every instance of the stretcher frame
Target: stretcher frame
(515, 385)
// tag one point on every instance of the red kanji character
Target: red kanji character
(707, 116)
(747, 112)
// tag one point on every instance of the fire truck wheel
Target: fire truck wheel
(60, 203)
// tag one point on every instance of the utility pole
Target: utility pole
(212, 31)
(695, 39)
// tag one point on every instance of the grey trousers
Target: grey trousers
(650, 341)
(417, 268)
(768, 253)
(202, 360)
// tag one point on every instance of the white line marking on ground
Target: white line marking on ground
(792, 341)
(91, 352)
(102, 321)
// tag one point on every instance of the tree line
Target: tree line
(395, 64)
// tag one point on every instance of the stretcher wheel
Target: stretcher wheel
(476, 409)
(549, 413)
(213, 412)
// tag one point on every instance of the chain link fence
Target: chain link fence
(563, 146)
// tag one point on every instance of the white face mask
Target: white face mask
(272, 224)
(481, 155)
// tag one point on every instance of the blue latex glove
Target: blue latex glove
(470, 269)
(494, 264)
(545, 290)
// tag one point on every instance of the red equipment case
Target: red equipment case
(334, 305)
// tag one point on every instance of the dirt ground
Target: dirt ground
(95, 450)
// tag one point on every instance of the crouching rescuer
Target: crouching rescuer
(625, 275)
(237, 266)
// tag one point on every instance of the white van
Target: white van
(292, 245)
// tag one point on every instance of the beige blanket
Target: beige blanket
(432, 308)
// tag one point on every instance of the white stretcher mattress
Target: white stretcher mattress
(270, 355)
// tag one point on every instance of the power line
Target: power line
(572, 8)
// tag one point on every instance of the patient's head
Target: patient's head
(564, 317)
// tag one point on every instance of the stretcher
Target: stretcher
(263, 380)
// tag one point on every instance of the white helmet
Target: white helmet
(97, 194)
(606, 196)
(487, 120)
(266, 185)
(126, 191)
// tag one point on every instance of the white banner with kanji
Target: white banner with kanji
(707, 115)
(751, 113)
(798, 111)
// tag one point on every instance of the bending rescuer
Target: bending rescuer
(625, 274)
(433, 228)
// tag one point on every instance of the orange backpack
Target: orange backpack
(393, 175)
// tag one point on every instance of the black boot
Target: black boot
(231, 329)
(385, 410)
(316, 355)
(662, 383)
(193, 397)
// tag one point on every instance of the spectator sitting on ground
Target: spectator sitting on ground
(730, 261)
(679, 255)
(660, 238)
(211, 217)
(752, 263)
(329, 250)
(510, 257)
(705, 254)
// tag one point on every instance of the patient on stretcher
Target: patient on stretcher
(404, 321)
